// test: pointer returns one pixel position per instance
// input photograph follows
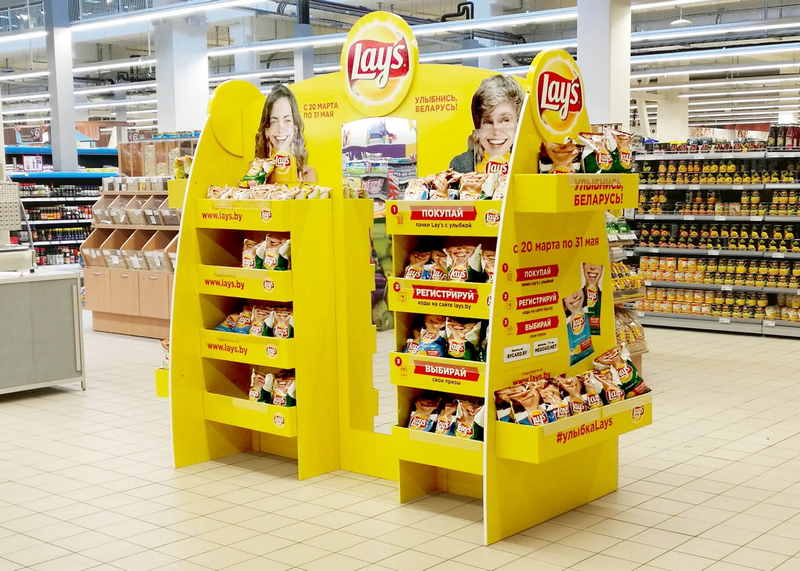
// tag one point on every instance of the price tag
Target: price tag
(727, 288)
(722, 218)
(756, 218)
(629, 253)
(648, 283)
(713, 252)
(654, 250)
(669, 187)
(612, 238)
(640, 313)
(724, 319)
(649, 217)
(778, 255)
(688, 217)
(769, 324)
(694, 187)
(658, 187)
(738, 187)
(701, 157)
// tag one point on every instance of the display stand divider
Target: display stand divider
(210, 370)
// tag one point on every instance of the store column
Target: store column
(121, 114)
(672, 117)
(303, 57)
(182, 73)
(60, 84)
(245, 62)
(604, 54)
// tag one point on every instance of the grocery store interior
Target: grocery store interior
(249, 312)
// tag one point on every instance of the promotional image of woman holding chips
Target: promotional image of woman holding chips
(280, 139)
(496, 107)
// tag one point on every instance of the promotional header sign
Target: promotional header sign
(379, 60)
(559, 101)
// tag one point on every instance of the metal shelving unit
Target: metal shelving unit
(674, 217)
(639, 250)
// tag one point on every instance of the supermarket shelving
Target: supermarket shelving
(33, 150)
(60, 199)
(62, 221)
(713, 186)
(96, 176)
(732, 155)
(674, 217)
(639, 250)
(56, 242)
(153, 227)
(721, 287)
(701, 322)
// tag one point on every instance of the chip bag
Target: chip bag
(416, 189)
(554, 405)
(415, 270)
(471, 187)
(227, 325)
(596, 156)
(579, 337)
(501, 189)
(260, 386)
(425, 414)
(621, 150)
(592, 389)
(527, 407)
(440, 187)
(165, 346)
(437, 268)
(433, 337)
(258, 325)
(463, 339)
(280, 323)
(249, 257)
(412, 343)
(283, 389)
(611, 392)
(244, 321)
(276, 251)
(573, 387)
(219, 192)
(256, 174)
(487, 264)
(502, 402)
(463, 263)
(559, 158)
(469, 420)
(623, 371)
(446, 423)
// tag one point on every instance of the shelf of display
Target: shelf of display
(702, 322)
(57, 242)
(702, 252)
(629, 296)
(31, 150)
(245, 283)
(538, 444)
(644, 186)
(60, 199)
(62, 221)
(713, 287)
(467, 378)
(456, 299)
(782, 255)
(575, 192)
(782, 186)
(443, 217)
(759, 154)
(244, 214)
(61, 175)
(259, 416)
(250, 349)
(432, 449)
(781, 328)
(716, 218)
(775, 154)
(62, 267)
(137, 227)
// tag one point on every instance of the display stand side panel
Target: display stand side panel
(194, 439)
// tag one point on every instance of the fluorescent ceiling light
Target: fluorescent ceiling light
(713, 69)
(647, 106)
(158, 14)
(28, 97)
(35, 120)
(13, 37)
(664, 4)
(716, 53)
(142, 111)
(737, 101)
(716, 83)
(117, 87)
(742, 114)
(739, 92)
(277, 72)
(743, 108)
(714, 30)
(100, 66)
(22, 75)
(123, 103)
(498, 50)
(12, 111)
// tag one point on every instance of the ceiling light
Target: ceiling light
(739, 92)
(35, 120)
(717, 83)
(12, 111)
(22, 75)
(141, 120)
(743, 114)
(112, 103)
(13, 37)
(735, 101)
(681, 21)
(743, 108)
(28, 97)
(713, 30)
(703, 70)
(716, 53)
(663, 4)
(118, 87)
(142, 111)
(498, 50)
(100, 66)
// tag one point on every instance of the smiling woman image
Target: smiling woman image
(578, 335)
(496, 107)
(593, 290)
(280, 138)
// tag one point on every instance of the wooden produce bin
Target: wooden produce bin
(117, 210)
(112, 249)
(134, 210)
(132, 250)
(152, 214)
(172, 252)
(154, 251)
(91, 249)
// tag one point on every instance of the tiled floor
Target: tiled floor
(714, 483)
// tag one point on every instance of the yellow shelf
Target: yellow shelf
(539, 444)
(162, 383)
(268, 351)
(443, 217)
(438, 450)
(245, 283)
(547, 193)
(446, 298)
(467, 378)
(235, 411)
(275, 215)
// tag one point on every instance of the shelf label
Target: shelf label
(727, 288)
(722, 218)
(669, 187)
(612, 238)
(648, 283)
(756, 218)
(640, 313)
(769, 323)
(724, 319)
(694, 187)
(737, 187)
(649, 217)
(713, 252)
(778, 255)
(688, 217)
(654, 250)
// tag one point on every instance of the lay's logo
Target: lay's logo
(380, 61)
(282, 162)
(557, 93)
(496, 167)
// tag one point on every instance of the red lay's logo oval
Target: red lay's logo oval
(496, 167)
(558, 101)
(379, 60)
(282, 162)
(557, 93)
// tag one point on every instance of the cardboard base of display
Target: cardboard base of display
(130, 325)
(162, 383)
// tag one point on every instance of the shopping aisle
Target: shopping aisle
(86, 483)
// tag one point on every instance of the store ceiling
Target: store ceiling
(703, 69)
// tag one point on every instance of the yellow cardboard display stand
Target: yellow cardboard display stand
(546, 229)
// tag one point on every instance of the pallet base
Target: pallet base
(130, 325)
